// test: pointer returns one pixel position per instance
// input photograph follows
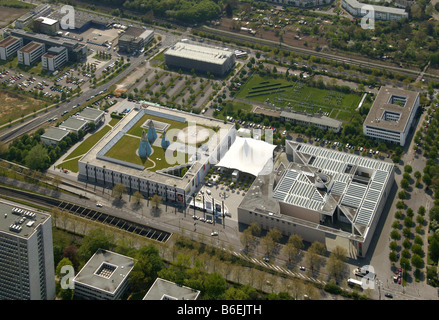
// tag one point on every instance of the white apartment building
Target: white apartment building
(54, 58)
(380, 12)
(26, 254)
(391, 115)
(30, 53)
(9, 47)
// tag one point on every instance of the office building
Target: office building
(54, 58)
(98, 166)
(46, 25)
(75, 125)
(203, 59)
(54, 135)
(322, 195)
(358, 9)
(104, 277)
(392, 115)
(31, 53)
(82, 20)
(76, 51)
(26, 19)
(9, 47)
(91, 115)
(26, 254)
(166, 290)
(134, 39)
(304, 119)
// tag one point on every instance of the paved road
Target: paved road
(27, 126)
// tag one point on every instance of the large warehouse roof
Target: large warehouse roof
(247, 155)
(199, 53)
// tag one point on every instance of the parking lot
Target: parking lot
(47, 87)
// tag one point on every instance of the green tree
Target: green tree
(156, 200)
(417, 261)
(138, 197)
(118, 191)
(214, 286)
(94, 240)
(246, 238)
(145, 270)
(392, 256)
(274, 234)
(37, 158)
(62, 263)
(405, 183)
(336, 260)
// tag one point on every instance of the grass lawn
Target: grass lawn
(88, 143)
(14, 104)
(34, 69)
(297, 95)
(71, 165)
(126, 150)
(234, 106)
(113, 122)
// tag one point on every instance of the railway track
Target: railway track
(87, 213)
(304, 51)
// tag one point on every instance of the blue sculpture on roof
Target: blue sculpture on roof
(165, 141)
(145, 149)
(152, 133)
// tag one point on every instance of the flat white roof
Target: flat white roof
(48, 21)
(358, 5)
(200, 53)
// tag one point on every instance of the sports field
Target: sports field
(298, 96)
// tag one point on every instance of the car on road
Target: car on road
(99, 205)
(195, 217)
(388, 295)
(266, 259)
(208, 192)
(214, 233)
(302, 268)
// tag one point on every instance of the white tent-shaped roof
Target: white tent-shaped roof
(247, 155)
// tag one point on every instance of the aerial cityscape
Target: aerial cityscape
(219, 150)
